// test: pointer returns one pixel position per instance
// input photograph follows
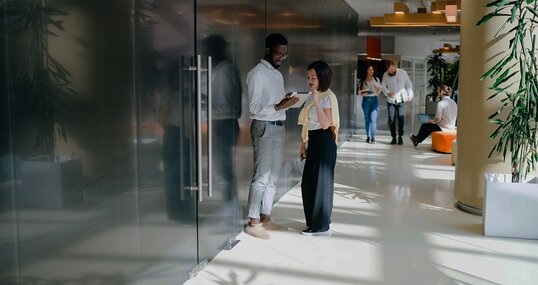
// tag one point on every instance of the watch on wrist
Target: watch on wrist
(276, 108)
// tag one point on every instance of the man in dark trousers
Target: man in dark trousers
(398, 89)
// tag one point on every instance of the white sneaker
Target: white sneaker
(257, 231)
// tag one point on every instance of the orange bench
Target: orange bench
(442, 141)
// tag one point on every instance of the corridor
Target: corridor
(394, 222)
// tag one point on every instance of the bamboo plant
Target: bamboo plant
(515, 81)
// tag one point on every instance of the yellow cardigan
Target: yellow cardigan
(303, 115)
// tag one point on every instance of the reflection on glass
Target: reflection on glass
(179, 204)
(226, 110)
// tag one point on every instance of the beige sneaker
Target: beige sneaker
(272, 226)
(257, 231)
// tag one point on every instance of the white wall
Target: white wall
(422, 46)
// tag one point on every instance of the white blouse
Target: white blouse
(313, 122)
(371, 85)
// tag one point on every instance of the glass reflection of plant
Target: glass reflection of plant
(41, 80)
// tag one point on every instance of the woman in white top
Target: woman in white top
(320, 120)
(445, 116)
(369, 89)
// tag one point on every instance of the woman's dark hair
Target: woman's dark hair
(363, 79)
(274, 40)
(324, 74)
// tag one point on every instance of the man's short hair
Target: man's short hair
(390, 63)
(274, 40)
(324, 74)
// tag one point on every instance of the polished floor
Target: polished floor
(394, 222)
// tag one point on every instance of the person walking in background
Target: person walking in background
(445, 117)
(320, 120)
(370, 87)
(398, 89)
(267, 105)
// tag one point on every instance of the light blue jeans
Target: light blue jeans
(370, 106)
(268, 143)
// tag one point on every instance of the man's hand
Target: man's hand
(287, 102)
(392, 94)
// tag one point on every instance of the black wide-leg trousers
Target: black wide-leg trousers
(317, 185)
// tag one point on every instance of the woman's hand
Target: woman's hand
(302, 151)
(315, 94)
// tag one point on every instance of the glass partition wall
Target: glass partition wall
(125, 148)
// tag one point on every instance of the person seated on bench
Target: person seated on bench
(445, 117)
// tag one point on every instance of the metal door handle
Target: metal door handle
(199, 123)
(209, 129)
(354, 91)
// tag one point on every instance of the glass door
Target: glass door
(172, 41)
(220, 93)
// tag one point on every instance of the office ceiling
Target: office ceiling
(376, 8)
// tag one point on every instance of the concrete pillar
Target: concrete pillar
(478, 53)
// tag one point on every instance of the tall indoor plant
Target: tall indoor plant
(515, 78)
(509, 207)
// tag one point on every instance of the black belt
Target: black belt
(277, 123)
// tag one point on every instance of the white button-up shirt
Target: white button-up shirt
(265, 89)
(399, 84)
(447, 111)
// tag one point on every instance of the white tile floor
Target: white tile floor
(394, 222)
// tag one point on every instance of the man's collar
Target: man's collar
(266, 63)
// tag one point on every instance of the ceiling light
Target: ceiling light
(451, 13)
(438, 7)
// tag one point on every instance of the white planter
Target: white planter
(510, 209)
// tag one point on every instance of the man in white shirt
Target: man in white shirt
(445, 117)
(267, 106)
(398, 89)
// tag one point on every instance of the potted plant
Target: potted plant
(41, 84)
(510, 201)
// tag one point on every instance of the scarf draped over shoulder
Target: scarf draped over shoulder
(303, 115)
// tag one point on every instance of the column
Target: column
(478, 53)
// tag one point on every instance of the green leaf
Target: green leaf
(503, 78)
(496, 3)
(498, 122)
(490, 16)
(497, 67)
(500, 30)
(513, 12)
(530, 1)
